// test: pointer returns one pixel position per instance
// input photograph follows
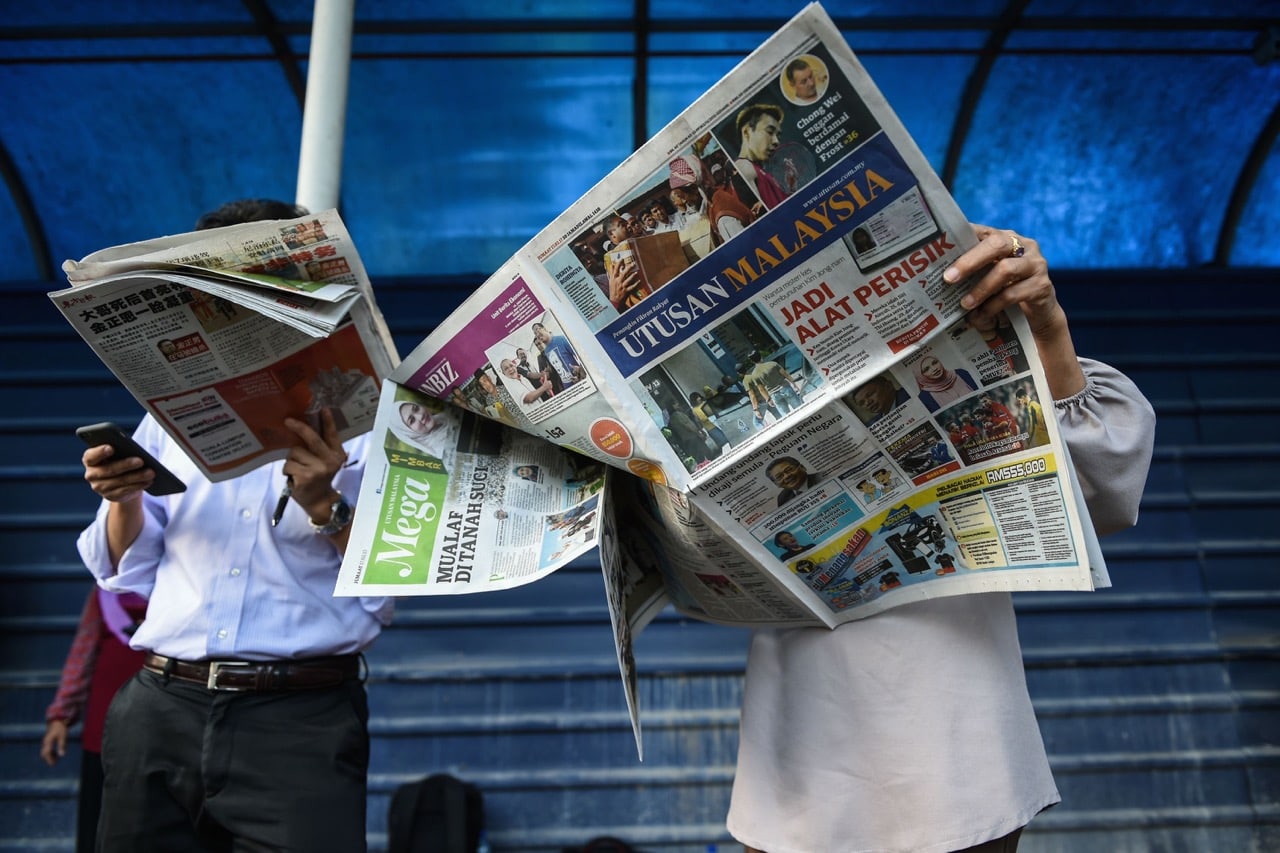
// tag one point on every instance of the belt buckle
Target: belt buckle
(216, 666)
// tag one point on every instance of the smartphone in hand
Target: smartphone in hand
(165, 483)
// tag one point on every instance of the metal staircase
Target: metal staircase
(1158, 699)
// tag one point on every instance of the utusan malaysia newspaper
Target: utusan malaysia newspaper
(747, 323)
(220, 334)
(747, 316)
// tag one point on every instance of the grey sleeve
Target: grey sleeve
(1109, 428)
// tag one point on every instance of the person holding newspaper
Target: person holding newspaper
(913, 730)
(247, 726)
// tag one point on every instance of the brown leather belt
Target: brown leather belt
(258, 676)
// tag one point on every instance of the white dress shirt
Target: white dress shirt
(221, 582)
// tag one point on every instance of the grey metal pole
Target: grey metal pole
(325, 112)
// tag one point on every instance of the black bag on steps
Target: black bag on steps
(603, 844)
(438, 814)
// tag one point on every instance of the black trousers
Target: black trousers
(89, 803)
(190, 769)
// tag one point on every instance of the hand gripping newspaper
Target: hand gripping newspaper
(222, 333)
(747, 323)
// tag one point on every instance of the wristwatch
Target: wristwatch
(340, 515)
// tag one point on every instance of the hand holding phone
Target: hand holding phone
(165, 482)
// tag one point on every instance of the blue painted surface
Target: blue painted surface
(1113, 133)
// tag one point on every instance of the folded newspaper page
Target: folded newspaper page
(453, 503)
(748, 317)
(222, 334)
(750, 311)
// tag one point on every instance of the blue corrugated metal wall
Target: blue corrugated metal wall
(1158, 699)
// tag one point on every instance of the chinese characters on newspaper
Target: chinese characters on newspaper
(221, 334)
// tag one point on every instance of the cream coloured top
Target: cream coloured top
(913, 730)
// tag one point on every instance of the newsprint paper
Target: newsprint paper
(221, 334)
(748, 317)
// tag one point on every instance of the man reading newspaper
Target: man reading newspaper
(248, 724)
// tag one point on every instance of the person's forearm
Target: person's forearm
(77, 669)
(1058, 357)
(340, 539)
(319, 510)
(124, 523)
